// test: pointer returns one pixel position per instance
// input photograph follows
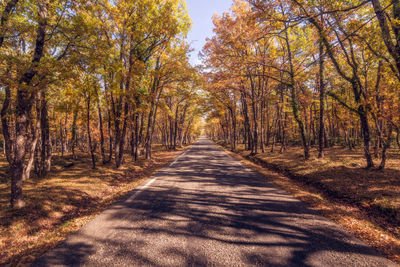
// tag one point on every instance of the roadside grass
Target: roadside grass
(366, 202)
(64, 200)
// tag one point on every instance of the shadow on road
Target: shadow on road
(207, 209)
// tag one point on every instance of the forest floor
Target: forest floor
(64, 200)
(366, 202)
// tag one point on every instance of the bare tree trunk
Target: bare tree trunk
(262, 126)
(120, 139)
(24, 106)
(283, 135)
(45, 151)
(103, 153)
(234, 126)
(8, 142)
(386, 145)
(321, 102)
(35, 139)
(181, 128)
(254, 149)
(141, 130)
(366, 135)
(171, 132)
(73, 133)
(247, 124)
(176, 126)
(62, 139)
(149, 129)
(91, 147)
(110, 138)
(136, 137)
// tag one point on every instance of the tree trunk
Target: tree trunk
(366, 136)
(110, 139)
(5, 17)
(176, 125)
(148, 132)
(234, 126)
(73, 133)
(103, 153)
(321, 102)
(294, 103)
(246, 124)
(8, 142)
(91, 147)
(23, 109)
(136, 137)
(35, 138)
(120, 142)
(45, 151)
(262, 126)
(385, 146)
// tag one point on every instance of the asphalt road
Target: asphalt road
(207, 209)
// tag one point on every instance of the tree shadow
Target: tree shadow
(208, 210)
(375, 192)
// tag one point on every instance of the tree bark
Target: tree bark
(35, 138)
(392, 44)
(45, 151)
(73, 132)
(91, 147)
(110, 138)
(102, 150)
(176, 125)
(386, 144)
(23, 109)
(5, 17)
(321, 102)
(8, 142)
(294, 103)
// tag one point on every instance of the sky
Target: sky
(201, 12)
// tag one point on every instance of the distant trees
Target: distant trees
(96, 76)
(305, 73)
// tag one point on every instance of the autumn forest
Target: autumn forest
(105, 88)
(312, 73)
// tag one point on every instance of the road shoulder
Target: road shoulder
(345, 215)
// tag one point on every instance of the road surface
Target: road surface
(207, 209)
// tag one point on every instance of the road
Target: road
(207, 209)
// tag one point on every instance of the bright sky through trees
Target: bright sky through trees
(201, 12)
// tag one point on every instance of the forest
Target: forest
(108, 79)
(310, 89)
(307, 73)
(98, 95)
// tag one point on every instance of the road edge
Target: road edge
(80, 222)
(324, 206)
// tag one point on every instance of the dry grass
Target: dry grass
(366, 202)
(63, 202)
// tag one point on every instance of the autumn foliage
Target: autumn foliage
(107, 78)
(308, 73)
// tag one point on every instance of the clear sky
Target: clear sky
(201, 12)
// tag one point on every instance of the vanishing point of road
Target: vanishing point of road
(207, 209)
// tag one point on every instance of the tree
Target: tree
(60, 59)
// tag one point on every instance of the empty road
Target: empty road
(207, 209)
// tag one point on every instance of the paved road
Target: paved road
(206, 209)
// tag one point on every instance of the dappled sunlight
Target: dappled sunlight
(367, 207)
(207, 209)
(64, 201)
(109, 107)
